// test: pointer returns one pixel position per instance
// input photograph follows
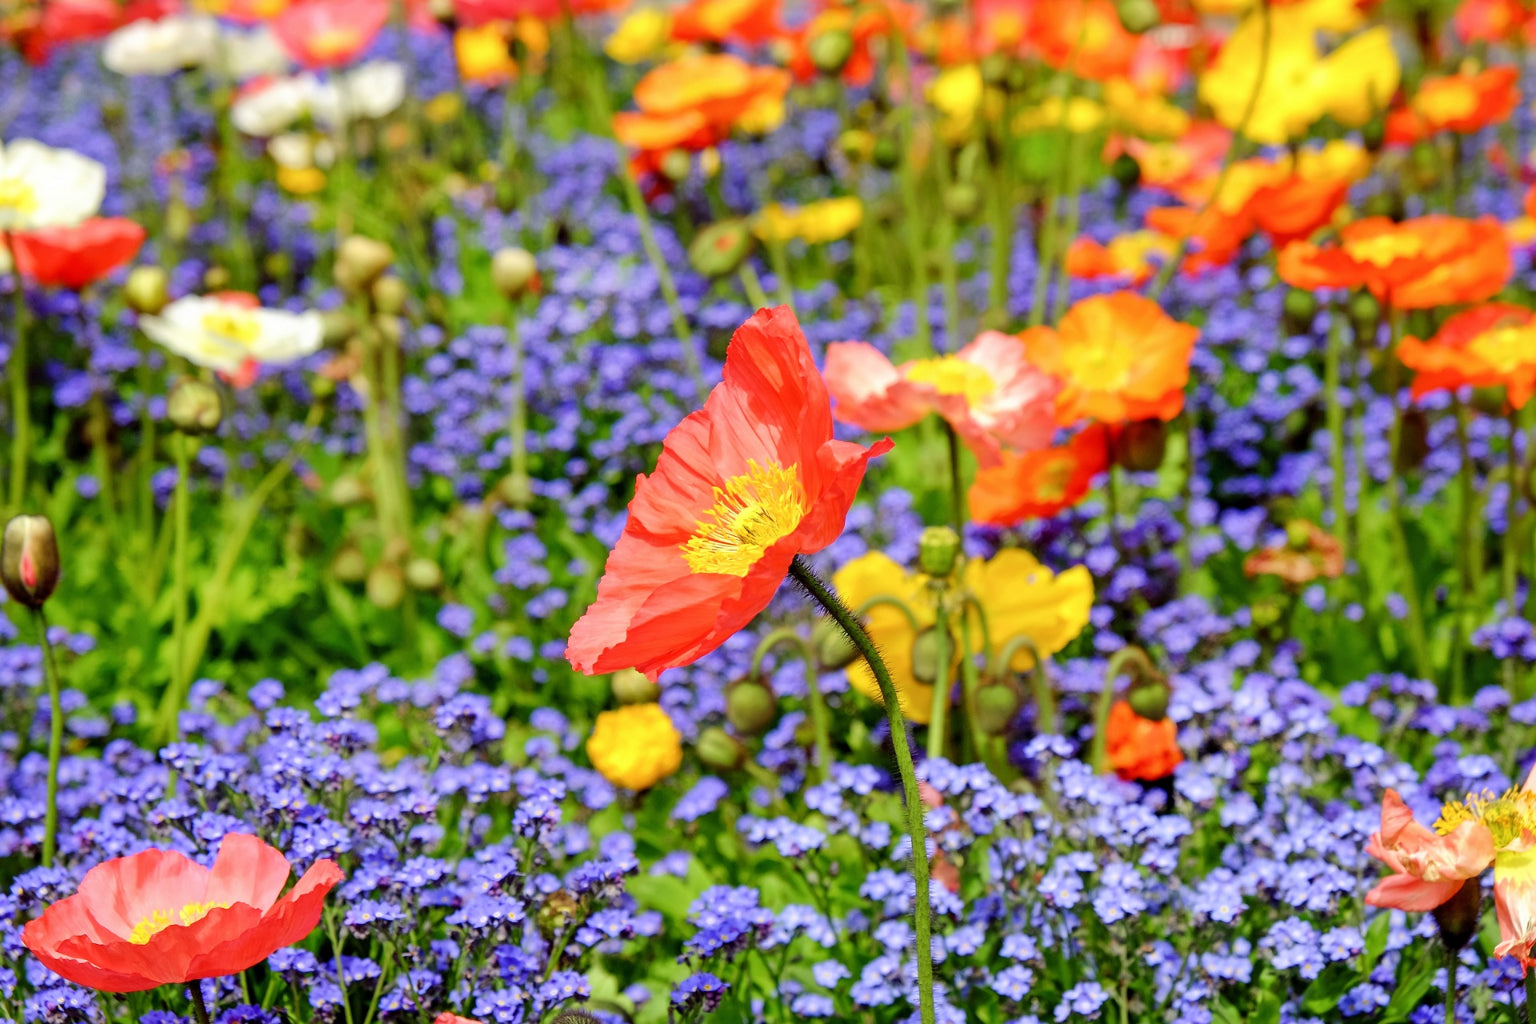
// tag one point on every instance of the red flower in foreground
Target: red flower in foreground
(160, 918)
(1139, 748)
(742, 487)
(78, 256)
(329, 33)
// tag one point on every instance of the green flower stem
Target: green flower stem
(1040, 681)
(1332, 362)
(55, 738)
(938, 718)
(889, 601)
(1123, 661)
(199, 1007)
(1072, 186)
(1509, 559)
(917, 244)
(949, 271)
(170, 707)
(778, 258)
(21, 411)
(517, 427)
(1000, 206)
(753, 285)
(821, 726)
(1530, 994)
(391, 410)
(1045, 251)
(1467, 477)
(1418, 642)
(916, 830)
(1450, 986)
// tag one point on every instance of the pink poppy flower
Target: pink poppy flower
(992, 397)
(1427, 868)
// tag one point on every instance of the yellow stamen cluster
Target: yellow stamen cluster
(160, 920)
(240, 328)
(17, 195)
(1507, 815)
(1506, 349)
(951, 375)
(751, 513)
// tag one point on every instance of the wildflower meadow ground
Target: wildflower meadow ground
(885, 511)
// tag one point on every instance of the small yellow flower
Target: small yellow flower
(823, 221)
(640, 36)
(482, 54)
(956, 93)
(1078, 115)
(1145, 114)
(635, 746)
(301, 181)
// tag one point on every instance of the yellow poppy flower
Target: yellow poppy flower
(1358, 79)
(876, 574)
(642, 35)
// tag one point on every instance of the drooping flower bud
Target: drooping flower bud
(750, 706)
(29, 559)
(830, 51)
(1138, 16)
(833, 648)
(1300, 310)
(632, 687)
(962, 200)
(147, 290)
(720, 750)
(1413, 440)
(194, 407)
(557, 912)
(386, 585)
(1126, 171)
(514, 272)
(389, 295)
(1140, 446)
(360, 262)
(720, 248)
(1458, 917)
(937, 549)
(676, 165)
(997, 704)
(925, 655)
(423, 574)
(1148, 696)
(349, 564)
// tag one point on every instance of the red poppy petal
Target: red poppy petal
(289, 920)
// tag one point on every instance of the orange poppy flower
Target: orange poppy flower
(160, 918)
(1119, 357)
(864, 23)
(1417, 264)
(1085, 38)
(1295, 208)
(748, 22)
(742, 487)
(695, 102)
(1039, 485)
(1214, 236)
(1490, 346)
(1139, 748)
(1458, 103)
(1127, 256)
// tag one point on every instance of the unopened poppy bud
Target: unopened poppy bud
(887, 153)
(1141, 445)
(215, 279)
(514, 272)
(676, 164)
(632, 687)
(1364, 315)
(29, 559)
(1458, 917)
(720, 750)
(1138, 16)
(1298, 535)
(962, 200)
(1300, 310)
(750, 707)
(1413, 440)
(719, 249)
(348, 489)
(349, 565)
(557, 912)
(194, 407)
(386, 585)
(937, 549)
(829, 51)
(833, 647)
(389, 295)
(997, 705)
(925, 655)
(277, 265)
(147, 290)
(423, 574)
(516, 490)
(178, 220)
(1126, 171)
(336, 327)
(1148, 697)
(360, 262)
(855, 144)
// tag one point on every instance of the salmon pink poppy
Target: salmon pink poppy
(1427, 866)
(742, 487)
(329, 33)
(160, 918)
(1488, 346)
(74, 257)
(1119, 357)
(1041, 484)
(987, 391)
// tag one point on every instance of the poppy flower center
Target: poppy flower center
(1506, 349)
(1507, 816)
(1054, 477)
(333, 42)
(751, 513)
(1450, 102)
(1102, 365)
(160, 920)
(951, 375)
(1384, 250)
(17, 199)
(239, 328)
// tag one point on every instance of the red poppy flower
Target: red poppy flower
(329, 33)
(748, 22)
(1417, 264)
(1458, 103)
(160, 918)
(868, 24)
(1084, 38)
(1038, 485)
(1139, 748)
(78, 256)
(1489, 346)
(742, 487)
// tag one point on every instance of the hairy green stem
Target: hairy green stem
(170, 710)
(1418, 642)
(1332, 362)
(821, 726)
(916, 829)
(21, 410)
(55, 738)
(199, 1007)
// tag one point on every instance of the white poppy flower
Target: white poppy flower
(272, 107)
(368, 91)
(231, 334)
(43, 187)
(301, 150)
(245, 55)
(146, 47)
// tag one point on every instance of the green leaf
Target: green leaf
(1328, 988)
